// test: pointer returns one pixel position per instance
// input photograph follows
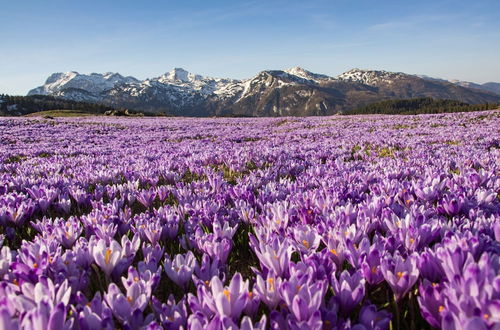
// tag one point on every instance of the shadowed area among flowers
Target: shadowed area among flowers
(362, 222)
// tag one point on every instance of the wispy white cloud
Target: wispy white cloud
(412, 22)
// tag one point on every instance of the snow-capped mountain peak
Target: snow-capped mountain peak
(94, 83)
(305, 74)
(179, 75)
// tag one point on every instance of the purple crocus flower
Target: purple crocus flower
(349, 289)
(106, 256)
(371, 267)
(43, 317)
(146, 277)
(180, 268)
(5, 260)
(274, 255)
(215, 247)
(7, 321)
(451, 205)
(267, 289)
(431, 301)
(400, 273)
(207, 269)
(430, 266)
(225, 230)
(95, 315)
(146, 197)
(370, 318)
(303, 297)
(46, 291)
(307, 239)
(171, 314)
(123, 306)
(149, 229)
(229, 301)
(245, 324)
(68, 232)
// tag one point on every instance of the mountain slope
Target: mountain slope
(292, 92)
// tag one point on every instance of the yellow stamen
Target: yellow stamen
(107, 257)
(441, 308)
(136, 279)
(250, 294)
(486, 316)
(399, 274)
(306, 243)
(374, 269)
(129, 299)
(271, 284)
(227, 294)
(334, 252)
(15, 282)
(35, 265)
(207, 283)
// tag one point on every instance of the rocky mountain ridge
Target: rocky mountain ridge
(292, 92)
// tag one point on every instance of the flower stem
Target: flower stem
(396, 312)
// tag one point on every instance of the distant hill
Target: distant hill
(421, 106)
(292, 92)
(45, 105)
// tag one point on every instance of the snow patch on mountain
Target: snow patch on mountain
(371, 77)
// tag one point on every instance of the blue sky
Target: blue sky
(236, 39)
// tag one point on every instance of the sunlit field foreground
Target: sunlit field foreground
(362, 222)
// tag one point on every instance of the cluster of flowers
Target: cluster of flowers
(365, 222)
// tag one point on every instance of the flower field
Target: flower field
(362, 222)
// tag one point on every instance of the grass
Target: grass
(61, 113)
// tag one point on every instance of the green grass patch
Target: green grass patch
(61, 113)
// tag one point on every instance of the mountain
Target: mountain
(493, 87)
(292, 92)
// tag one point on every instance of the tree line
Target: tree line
(22, 105)
(424, 105)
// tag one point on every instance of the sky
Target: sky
(237, 39)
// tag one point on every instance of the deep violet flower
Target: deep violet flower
(349, 290)
(400, 273)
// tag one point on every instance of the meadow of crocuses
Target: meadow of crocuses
(343, 222)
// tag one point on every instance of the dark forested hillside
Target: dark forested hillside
(420, 106)
(23, 105)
